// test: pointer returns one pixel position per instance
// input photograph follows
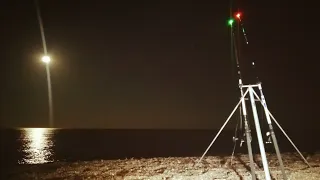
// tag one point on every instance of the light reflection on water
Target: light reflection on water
(37, 145)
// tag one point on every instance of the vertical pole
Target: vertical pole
(259, 135)
(248, 132)
(273, 136)
(241, 120)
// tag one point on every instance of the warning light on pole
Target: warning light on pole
(230, 22)
(238, 15)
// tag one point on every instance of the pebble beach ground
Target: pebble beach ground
(171, 168)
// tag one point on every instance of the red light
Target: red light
(238, 15)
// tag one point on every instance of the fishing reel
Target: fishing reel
(269, 141)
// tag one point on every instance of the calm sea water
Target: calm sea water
(41, 145)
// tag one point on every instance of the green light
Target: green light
(230, 22)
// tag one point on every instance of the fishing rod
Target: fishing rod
(253, 97)
(238, 16)
(243, 120)
(242, 134)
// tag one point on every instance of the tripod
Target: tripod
(253, 96)
(269, 116)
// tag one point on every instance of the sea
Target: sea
(45, 145)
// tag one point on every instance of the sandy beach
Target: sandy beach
(171, 168)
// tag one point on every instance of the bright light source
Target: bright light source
(230, 22)
(46, 59)
(238, 15)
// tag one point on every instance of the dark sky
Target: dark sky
(155, 64)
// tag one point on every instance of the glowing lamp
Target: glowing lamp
(46, 59)
(238, 15)
(230, 22)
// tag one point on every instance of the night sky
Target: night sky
(155, 64)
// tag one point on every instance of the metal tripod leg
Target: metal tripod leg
(304, 159)
(214, 139)
(273, 136)
(248, 138)
(248, 135)
(241, 135)
(259, 135)
(237, 135)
